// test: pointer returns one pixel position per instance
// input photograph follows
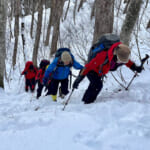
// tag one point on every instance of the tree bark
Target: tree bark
(3, 12)
(104, 18)
(57, 13)
(16, 31)
(32, 19)
(148, 25)
(81, 4)
(130, 20)
(49, 23)
(38, 33)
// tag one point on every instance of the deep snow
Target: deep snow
(116, 121)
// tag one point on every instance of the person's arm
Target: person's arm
(77, 65)
(24, 72)
(133, 66)
(94, 63)
(49, 70)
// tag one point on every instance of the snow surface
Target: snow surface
(117, 120)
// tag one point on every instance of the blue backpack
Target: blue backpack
(103, 44)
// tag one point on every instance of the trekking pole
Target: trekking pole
(70, 79)
(142, 63)
(118, 81)
(67, 100)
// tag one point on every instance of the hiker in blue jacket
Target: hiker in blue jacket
(58, 72)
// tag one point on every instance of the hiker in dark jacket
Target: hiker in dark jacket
(40, 74)
(60, 70)
(118, 55)
(30, 73)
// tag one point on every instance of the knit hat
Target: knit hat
(66, 57)
(123, 53)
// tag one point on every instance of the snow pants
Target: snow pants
(53, 86)
(30, 83)
(39, 89)
(94, 87)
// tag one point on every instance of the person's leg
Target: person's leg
(39, 90)
(53, 87)
(64, 87)
(27, 83)
(93, 89)
(32, 84)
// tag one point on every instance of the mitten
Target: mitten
(77, 81)
(136, 68)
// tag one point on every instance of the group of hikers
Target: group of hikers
(106, 55)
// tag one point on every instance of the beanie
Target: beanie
(123, 53)
(66, 57)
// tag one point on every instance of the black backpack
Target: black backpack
(44, 63)
(60, 51)
(58, 54)
(103, 44)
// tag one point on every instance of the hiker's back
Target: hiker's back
(103, 44)
(43, 64)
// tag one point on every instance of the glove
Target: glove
(24, 73)
(77, 81)
(136, 68)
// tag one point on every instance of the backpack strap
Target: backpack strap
(104, 63)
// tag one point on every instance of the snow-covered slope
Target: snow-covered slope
(116, 121)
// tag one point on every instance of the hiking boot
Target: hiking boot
(62, 96)
(54, 98)
(26, 89)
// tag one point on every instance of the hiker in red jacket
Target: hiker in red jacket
(40, 74)
(117, 55)
(30, 73)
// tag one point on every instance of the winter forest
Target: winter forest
(65, 100)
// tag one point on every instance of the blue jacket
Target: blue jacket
(60, 72)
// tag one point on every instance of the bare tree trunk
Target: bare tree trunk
(81, 4)
(55, 38)
(67, 10)
(49, 23)
(38, 33)
(22, 23)
(3, 13)
(32, 20)
(130, 20)
(57, 13)
(74, 11)
(16, 31)
(126, 8)
(148, 25)
(104, 18)
(93, 11)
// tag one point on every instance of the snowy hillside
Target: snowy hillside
(118, 120)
